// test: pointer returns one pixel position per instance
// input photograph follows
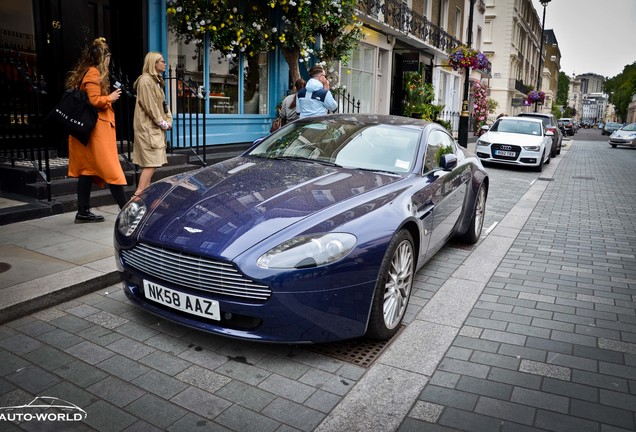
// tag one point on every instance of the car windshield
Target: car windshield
(630, 127)
(612, 125)
(517, 126)
(348, 144)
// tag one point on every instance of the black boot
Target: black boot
(84, 215)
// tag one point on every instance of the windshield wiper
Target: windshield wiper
(304, 159)
(377, 170)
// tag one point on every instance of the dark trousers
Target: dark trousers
(84, 186)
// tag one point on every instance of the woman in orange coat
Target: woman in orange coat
(98, 161)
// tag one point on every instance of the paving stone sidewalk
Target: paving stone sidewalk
(551, 342)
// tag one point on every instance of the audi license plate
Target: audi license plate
(505, 153)
(181, 301)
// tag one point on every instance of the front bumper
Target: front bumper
(323, 315)
(508, 154)
(622, 142)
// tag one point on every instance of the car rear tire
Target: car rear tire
(613, 145)
(477, 219)
(393, 288)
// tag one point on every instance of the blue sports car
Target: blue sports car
(312, 235)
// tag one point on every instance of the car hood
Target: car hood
(623, 134)
(511, 138)
(229, 207)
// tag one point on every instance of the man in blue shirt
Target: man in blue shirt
(315, 99)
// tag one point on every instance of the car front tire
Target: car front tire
(477, 219)
(393, 288)
(539, 167)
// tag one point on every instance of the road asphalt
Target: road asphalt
(532, 328)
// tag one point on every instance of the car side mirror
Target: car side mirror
(485, 128)
(448, 161)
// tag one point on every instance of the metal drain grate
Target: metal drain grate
(545, 179)
(361, 352)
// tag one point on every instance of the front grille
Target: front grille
(195, 272)
(505, 147)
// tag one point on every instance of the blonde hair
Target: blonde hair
(150, 61)
(96, 55)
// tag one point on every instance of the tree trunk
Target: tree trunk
(292, 56)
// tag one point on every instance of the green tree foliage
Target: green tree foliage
(291, 25)
(563, 89)
(620, 90)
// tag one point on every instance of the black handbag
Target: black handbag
(73, 115)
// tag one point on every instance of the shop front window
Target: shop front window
(255, 95)
(231, 79)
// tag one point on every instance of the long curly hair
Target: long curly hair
(97, 55)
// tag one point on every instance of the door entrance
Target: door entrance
(64, 27)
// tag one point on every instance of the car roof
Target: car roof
(533, 114)
(535, 120)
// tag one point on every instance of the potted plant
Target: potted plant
(419, 95)
(536, 96)
(462, 57)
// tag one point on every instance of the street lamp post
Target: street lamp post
(463, 118)
(544, 3)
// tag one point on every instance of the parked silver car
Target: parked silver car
(624, 137)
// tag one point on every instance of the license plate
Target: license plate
(181, 301)
(505, 153)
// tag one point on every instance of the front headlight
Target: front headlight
(482, 143)
(532, 148)
(308, 251)
(130, 216)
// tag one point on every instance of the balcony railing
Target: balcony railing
(397, 15)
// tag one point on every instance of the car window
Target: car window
(518, 127)
(349, 144)
(438, 144)
(547, 120)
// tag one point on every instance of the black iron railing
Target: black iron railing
(22, 97)
(189, 120)
(347, 103)
(396, 14)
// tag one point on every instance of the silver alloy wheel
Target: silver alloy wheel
(398, 284)
(480, 210)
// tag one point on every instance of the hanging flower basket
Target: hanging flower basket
(536, 96)
(462, 57)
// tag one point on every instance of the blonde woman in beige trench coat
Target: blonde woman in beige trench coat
(152, 119)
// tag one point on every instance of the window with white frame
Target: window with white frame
(444, 15)
(488, 31)
(458, 23)
(478, 38)
(357, 75)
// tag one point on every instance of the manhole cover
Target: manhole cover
(4, 267)
(584, 178)
(361, 352)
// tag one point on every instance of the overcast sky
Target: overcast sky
(597, 36)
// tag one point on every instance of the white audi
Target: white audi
(520, 141)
